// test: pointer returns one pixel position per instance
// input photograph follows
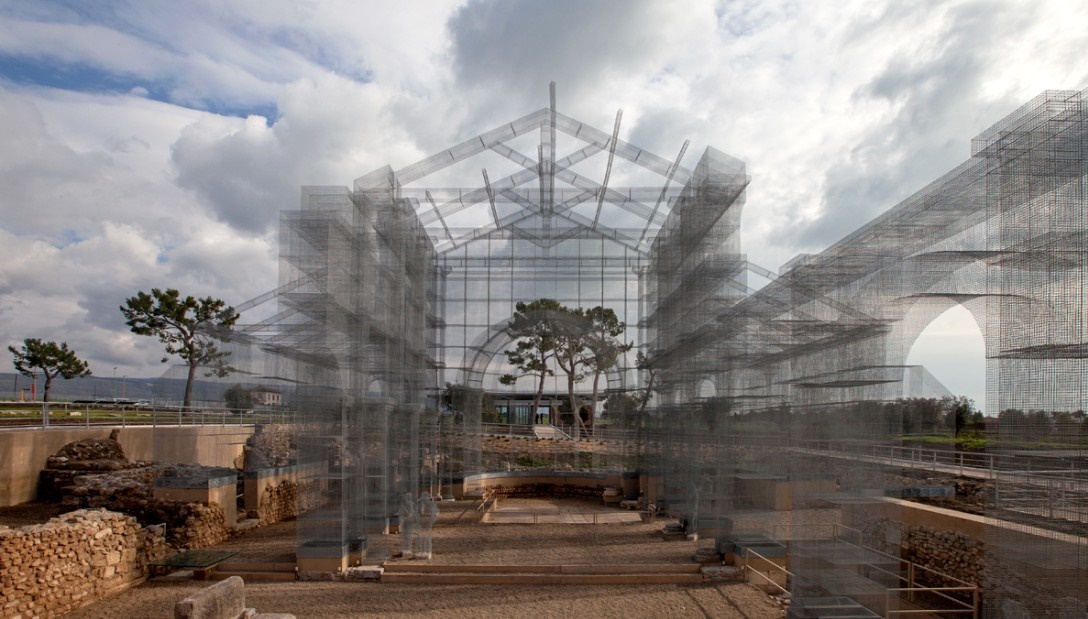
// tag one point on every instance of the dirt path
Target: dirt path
(460, 538)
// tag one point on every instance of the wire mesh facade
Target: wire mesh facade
(776, 422)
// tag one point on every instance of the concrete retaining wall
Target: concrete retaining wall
(24, 452)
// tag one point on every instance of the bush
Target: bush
(533, 462)
(971, 442)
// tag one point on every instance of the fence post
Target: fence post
(910, 581)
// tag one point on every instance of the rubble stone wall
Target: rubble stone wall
(274, 494)
(205, 525)
(948, 552)
(49, 569)
(973, 548)
(188, 524)
(25, 452)
(287, 500)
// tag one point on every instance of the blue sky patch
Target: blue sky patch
(88, 79)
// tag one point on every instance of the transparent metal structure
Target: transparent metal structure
(800, 379)
(774, 426)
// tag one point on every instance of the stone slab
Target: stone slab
(223, 600)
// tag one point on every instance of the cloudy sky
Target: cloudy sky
(153, 143)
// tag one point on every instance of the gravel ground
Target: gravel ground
(460, 538)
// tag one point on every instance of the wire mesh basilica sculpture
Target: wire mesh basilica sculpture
(771, 407)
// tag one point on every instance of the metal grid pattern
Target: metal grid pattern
(774, 410)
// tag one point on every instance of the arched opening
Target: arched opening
(952, 349)
(706, 389)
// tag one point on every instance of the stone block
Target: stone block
(223, 600)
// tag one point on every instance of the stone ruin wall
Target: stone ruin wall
(73, 560)
(94, 473)
(188, 525)
(964, 557)
(288, 499)
(203, 526)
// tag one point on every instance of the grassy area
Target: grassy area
(977, 442)
(966, 442)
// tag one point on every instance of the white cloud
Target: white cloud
(840, 110)
(83, 44)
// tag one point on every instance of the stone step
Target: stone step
(436, 578)
(256, 572)
(644, 568)
(669, 574)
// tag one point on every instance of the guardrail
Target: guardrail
(506, 429)
(943, 599)
(67, 414)
(1015, 481)
(950, 460)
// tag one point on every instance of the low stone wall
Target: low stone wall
(566, 491)
(192, 521)
(207, 485)
(989, 552)
(287, 500)
(72, 560)
(945, 551)
(204, 526)
(538, 483)
(280, 493)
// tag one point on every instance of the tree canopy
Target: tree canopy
(603, 344)
(189, 328)
(581, 342)
(238, 398)
(51, 359)
(458, 400)
(535, 327)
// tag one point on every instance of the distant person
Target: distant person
(409, 524)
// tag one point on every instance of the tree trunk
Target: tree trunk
(539, 390)
(189, 386)
(48, 386)
(596, 381)
(573, 403)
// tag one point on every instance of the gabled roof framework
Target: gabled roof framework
(538, 205)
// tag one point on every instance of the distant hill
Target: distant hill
(159, 389)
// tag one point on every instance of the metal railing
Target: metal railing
(907, 576)
(68, 415)
(1015, 481)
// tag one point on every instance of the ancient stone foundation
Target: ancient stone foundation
(72, 560)
(288, 500)
(274, 494)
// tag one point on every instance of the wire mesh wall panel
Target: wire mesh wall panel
(782, 423)
(361, 338)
